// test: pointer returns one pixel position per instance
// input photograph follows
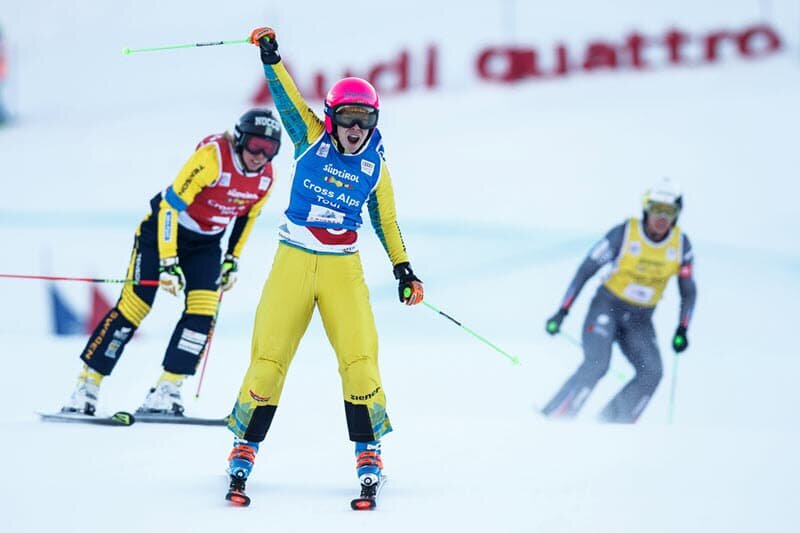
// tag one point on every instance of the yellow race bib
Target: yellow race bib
(644, 267)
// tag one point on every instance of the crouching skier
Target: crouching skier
(226, 181)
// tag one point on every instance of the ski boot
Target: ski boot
(240, 464)
(165, 398)
(370, 474)
(84, 398)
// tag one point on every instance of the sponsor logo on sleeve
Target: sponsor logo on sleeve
(188, 181)
(168, 226)
(264, 183)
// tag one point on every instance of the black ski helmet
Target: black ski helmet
(259, 122)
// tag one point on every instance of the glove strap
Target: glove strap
(403, 272)
(233, 261)
(168, 262)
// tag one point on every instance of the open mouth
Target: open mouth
(352, 138)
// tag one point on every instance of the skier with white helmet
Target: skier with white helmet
(645, 253)
(339, 168)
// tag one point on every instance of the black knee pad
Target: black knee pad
(260, 423)
(359, 423)
(187, 344)
(108, 341)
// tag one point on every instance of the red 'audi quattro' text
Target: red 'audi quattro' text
(634, 51)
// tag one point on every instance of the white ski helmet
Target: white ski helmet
(666, 192)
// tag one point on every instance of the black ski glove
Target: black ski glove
(410, 286)
(553, 324)
(680, 341)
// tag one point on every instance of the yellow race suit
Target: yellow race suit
(317, 264)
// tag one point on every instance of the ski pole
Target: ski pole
(144, 282)
(128, 51)
(673, 388)
(617, 373)
(513, 359)
(571, 339)
(208, 345)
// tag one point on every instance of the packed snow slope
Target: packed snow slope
(501, 190)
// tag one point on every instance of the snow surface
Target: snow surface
(500, 190)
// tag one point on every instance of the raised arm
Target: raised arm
(303, 126)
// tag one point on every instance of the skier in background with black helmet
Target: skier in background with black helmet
(645, 253)
(225, 182)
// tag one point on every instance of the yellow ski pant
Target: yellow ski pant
(298, 282)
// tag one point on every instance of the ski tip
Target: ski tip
(123, 418)
(362, 504)
(120, 418)
(238, 499)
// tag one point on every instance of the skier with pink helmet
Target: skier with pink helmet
(339, 168)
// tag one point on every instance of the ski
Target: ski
(120, 418)
(236, 494)
(370, 492)
(159, 418)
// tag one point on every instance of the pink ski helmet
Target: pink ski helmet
(349, 91)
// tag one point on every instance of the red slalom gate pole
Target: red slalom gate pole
(208, 346)
(144, 282)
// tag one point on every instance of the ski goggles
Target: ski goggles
(663, 210)
(262, 146)
(348, 116)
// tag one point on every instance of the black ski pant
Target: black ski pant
(199, 256)
(612, 320)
